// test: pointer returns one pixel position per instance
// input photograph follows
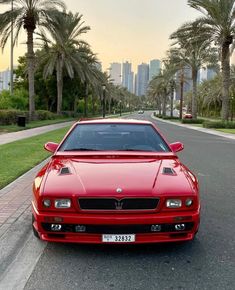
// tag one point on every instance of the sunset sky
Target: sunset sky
(133, 30)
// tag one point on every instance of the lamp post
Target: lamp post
(104, 100)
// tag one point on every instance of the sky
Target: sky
(123, 30)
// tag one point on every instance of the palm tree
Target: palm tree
(27, 14)
(219, 19)
(64, 51)
(194, 50)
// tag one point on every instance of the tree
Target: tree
(219, 20)
(64, 51)
(27, 14)
(193, 50)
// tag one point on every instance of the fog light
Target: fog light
(180, 227)
(156, 228)
(80, 229)
(188, 202)
(47, 202)
(56, 227)
(62, 203)
(173, 203)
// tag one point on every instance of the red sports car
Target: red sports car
(115, 181)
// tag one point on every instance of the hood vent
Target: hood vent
(64, 171)
(168, 171)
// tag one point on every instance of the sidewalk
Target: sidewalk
(15, 198)
(11, 137)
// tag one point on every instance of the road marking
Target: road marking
(19, 271)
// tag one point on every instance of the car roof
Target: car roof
(114, 121)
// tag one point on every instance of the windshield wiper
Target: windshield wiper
(81, 149)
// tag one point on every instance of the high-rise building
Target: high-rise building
(210, 74)
(127, 77)
(98, 65)
(154, 68)
(142, 79)
(115, 73)
(5, 79)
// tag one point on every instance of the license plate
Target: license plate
(118, 238)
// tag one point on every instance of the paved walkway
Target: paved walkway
(11, 137)
(15, 199)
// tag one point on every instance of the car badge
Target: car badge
(119, 190)
(118, 205)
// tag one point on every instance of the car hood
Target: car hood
(102, 177)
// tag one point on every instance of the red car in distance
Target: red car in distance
(115, 181)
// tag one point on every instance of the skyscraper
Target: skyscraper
(127, 77)
(154, 68)
(115, 73)
(5, 78)
(142, 79)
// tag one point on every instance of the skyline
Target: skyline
(136, 31)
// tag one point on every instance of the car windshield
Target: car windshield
(114, 137)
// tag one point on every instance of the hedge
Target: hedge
(219, 125)
(9, 117)
(192, 121)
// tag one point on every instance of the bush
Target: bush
(192, 121)
(9, 117)
(45, 115)
(170, 118)
(219, 125)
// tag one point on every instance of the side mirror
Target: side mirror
(51, 147)
(177, 146)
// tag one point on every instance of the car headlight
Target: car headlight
(189, 202)
(174, 203)
(46, 202)
(62, 203)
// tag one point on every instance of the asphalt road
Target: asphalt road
(206, 263)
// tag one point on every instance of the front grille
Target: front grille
(117, 229)
(118, 204)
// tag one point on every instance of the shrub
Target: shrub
(192, 121)
(219, 125)
(45, 115)
(170, 118)
(9, 117)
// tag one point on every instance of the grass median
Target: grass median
(18, 157)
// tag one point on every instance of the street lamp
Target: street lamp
(104, 100)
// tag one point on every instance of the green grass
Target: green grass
(230, 131)
(20, 156)
(33, 124)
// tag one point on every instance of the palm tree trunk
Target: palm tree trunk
(85, 99)
(59, 75)
(31, 65)
(164, 105)
(93, 102)
(172, 100)
(181, 93)
(194, 96)
(225, 60)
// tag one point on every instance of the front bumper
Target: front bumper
(110, 221)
